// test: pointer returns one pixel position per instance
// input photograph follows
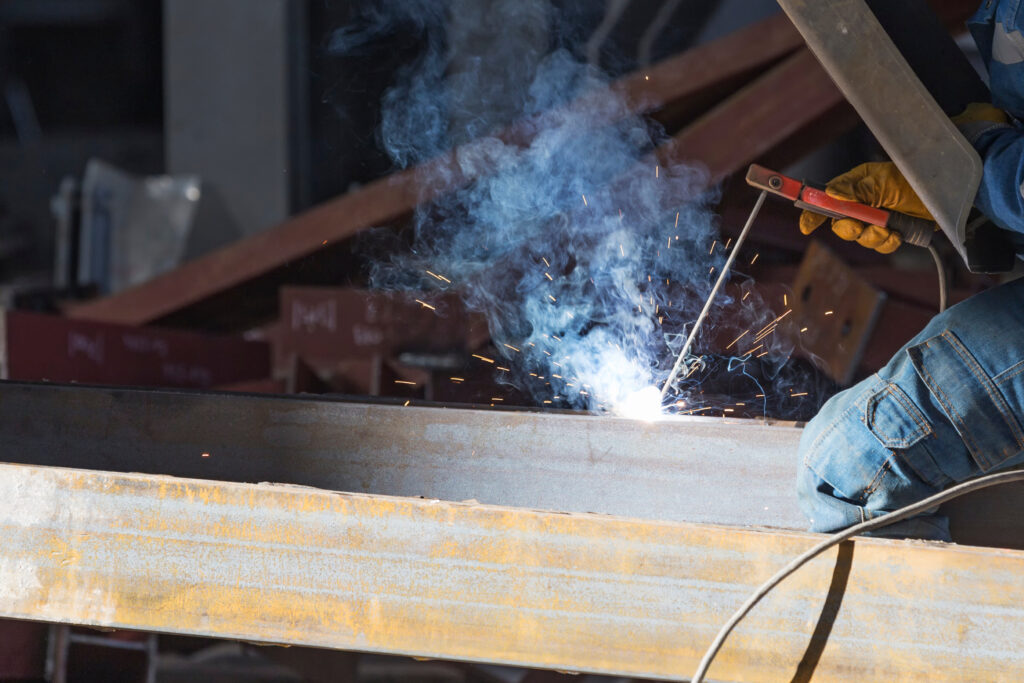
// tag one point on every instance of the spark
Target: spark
(496, 398)
(646, 77)
(747, 353)
(405, 381)
(712, 251)
(584, 199)
(442, 278)
(759, 396)
(669, 244)
(763, 353)
(785, 300)
(736, 340)
(324, 242)
(829, 312)
(677, 222)
(745, 296)
(457, 379)
(712, 271)
(547, 401)
(803, 393)
(727, 243)
(425, 305)
(483, 358)
(621, 250)
(803, 329)
(205, 455)
(545, 261)
(741, 404)
(553, 298)
(696, 410)
(548, 276)
(557, 376)
(656, 165)
(753, 260)
(509, 346)
(728, 410)
(406, 403)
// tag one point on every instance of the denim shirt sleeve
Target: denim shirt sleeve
(997, 30)
(1001, 192)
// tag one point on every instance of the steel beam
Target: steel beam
(719, 471)
(738, 472)
(280, 564)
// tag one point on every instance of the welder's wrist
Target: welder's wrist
(974, 131)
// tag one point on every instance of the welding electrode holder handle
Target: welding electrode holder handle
(912, 230)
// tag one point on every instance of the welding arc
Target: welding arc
(855, 530)
(711, 297)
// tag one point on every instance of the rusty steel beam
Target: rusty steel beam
(756, 119)
(279, 564)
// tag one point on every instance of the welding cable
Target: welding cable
(943, 287)
(876, 523)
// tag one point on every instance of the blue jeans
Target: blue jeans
(946, 408)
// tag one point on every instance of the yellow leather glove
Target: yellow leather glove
(981, 111)
(878, 184)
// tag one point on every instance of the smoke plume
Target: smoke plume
(588, 259)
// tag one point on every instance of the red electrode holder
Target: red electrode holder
(917, 231)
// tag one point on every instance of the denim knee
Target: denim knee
(946, 408)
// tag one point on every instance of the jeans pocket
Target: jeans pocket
(976, 406)
(894, 419)
(900, 426)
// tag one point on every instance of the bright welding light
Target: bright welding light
(644, 404)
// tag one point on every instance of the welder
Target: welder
(949, 406)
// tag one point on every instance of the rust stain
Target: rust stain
(465, 581)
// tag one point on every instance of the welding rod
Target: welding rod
(714, 292)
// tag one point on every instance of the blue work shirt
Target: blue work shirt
(997, 30)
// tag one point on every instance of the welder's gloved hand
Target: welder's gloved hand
(878, 184)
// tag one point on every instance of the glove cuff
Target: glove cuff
(973, 130)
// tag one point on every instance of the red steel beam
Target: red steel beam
(391, 198)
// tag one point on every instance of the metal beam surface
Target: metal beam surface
(280, 564)
(737, 472)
